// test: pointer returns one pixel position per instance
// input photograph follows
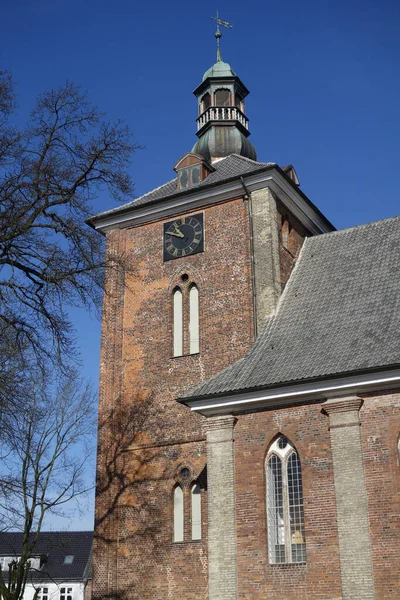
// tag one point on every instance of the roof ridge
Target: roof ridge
(154, 190)
(250, 160)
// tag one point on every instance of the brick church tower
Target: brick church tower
(194, 280)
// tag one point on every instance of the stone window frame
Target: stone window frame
(285, 518)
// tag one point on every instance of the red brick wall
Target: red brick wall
(308, 429)
(145, 437)
(319, 578)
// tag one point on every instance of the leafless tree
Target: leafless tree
(42, 461)
(50, 174)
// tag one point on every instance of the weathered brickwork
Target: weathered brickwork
(266, 229)
(145, 437)
(291, 238)
(277, 240)
(319, 578)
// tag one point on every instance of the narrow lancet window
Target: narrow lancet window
(194, 319)
(178, 322)
(196, 512)
(178, 514)
(285, 514)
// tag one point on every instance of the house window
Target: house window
(5, 561)
(194, 319)
(196, 512)
(43, 593)
(178, 514)
(66, 593)
(178, 322)
(285, 514)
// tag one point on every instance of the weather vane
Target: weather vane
(218, 34)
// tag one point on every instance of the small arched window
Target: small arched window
(178, 321)
(178, 514)
(285, 513)
(196, 512)
(194, 319)
(205, 102)
(239, 101)
(222, 97)
(398, 451)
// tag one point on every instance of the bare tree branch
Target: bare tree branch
(42, 460)
(50, 173)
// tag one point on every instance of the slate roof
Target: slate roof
(339, 314)
(231, 167)
(55, 546)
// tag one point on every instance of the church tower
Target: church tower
(194, 270)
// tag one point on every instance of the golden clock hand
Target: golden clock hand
(176, 233)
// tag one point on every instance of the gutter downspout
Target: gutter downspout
(247, 196)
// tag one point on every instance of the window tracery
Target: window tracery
(285, 513)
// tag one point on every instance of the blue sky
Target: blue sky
(324, 83)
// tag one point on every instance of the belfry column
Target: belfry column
(351, 498)
(222, 569)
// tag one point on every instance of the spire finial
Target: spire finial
(218, 34)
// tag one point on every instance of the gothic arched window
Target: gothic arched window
(285, 514)
(178, 514)
(194, 319)
(178, 322)
(196, 511)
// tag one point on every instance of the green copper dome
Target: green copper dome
(220, 141)
(219, 69)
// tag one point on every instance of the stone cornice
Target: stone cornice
(218, 423)
(344, 404)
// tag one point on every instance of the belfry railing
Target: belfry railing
(222, 113)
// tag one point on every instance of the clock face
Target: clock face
(183, 237)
